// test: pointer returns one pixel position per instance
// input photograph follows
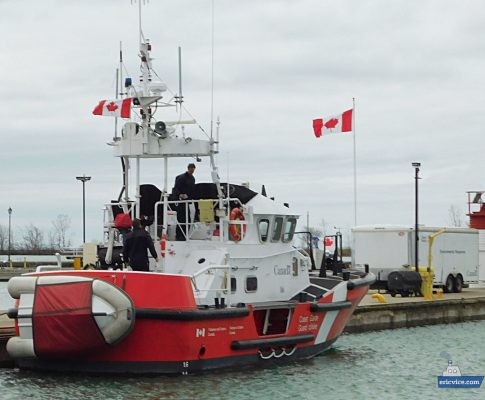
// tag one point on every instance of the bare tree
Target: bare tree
(455, 216)
(58, 236)
(33, 238)
(3, 238)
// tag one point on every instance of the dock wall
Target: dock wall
(406, 315)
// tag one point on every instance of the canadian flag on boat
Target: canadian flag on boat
(335, 124)
(114, 108)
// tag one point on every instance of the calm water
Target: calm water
(398, 364)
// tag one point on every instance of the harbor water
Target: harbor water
(5, 300)
(392, 364)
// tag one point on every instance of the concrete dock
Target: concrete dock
(405, 312)
(7, 273)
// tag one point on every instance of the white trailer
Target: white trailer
(454, 253)
(481, 255)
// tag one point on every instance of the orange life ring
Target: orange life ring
(235, 229)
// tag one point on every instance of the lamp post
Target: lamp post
(416, 166)
(9, 234)
(84, 179)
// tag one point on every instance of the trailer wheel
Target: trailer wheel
(449, 285)
(458, 286)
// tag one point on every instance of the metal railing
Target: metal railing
(190, 209)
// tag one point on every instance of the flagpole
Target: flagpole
(355, 163)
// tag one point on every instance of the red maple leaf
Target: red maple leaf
(112, 106)
(331, 123)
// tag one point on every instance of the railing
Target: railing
(205, 219)
(127, 207)
(71, 252)
(174, 212)
(184, 215)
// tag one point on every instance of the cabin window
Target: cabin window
(251, 284)
(289, 231)
(233, 284)
(263, 229)
(278, 226)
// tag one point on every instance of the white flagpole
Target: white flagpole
(355, 163)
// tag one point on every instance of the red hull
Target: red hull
(171, 335)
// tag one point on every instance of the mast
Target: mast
(147, 137)
(179, 99)
(212, 67)
(116, 94)
(119, 84)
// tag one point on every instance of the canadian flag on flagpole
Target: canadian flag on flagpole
(340, 124)
(114, 108)
(335, 124)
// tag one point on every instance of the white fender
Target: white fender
(111, 308)
(117, 324)
(20, 348)
(21, 284)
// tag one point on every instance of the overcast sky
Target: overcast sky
(415, 69)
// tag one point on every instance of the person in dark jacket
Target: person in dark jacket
(183, 190)
(135, 247)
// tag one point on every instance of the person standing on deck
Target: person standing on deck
(183, 190)
(135, 247)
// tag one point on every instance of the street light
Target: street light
(84, 179)
(9, 234)
(416, 166)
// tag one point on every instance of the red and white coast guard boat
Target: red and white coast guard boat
(236, 292)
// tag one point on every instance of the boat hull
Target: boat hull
(171, 335)
(169, 367)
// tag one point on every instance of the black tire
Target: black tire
(449, 285)
(404, 294)
(393, 293)
(458, 284)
